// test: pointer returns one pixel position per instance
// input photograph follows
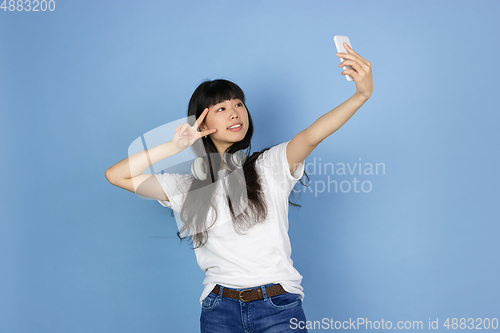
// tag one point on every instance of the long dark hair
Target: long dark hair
(200, 198)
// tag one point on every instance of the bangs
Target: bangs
(220, 90)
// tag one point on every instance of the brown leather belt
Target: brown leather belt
(249, 295)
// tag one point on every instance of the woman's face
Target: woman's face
(222, 116)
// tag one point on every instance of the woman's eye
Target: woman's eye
(239, 104)
(220, 109)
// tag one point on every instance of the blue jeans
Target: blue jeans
(276, 314)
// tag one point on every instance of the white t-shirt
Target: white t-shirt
(261, 255)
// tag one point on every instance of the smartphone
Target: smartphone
(339, 43)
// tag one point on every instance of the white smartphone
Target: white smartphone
(339, 43)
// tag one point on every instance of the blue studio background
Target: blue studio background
(78, 85)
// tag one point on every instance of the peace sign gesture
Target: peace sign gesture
(361, 72)
(185, 135)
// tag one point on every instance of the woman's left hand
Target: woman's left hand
(361, 71)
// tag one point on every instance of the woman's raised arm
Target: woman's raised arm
(307, 140)
(128, 173)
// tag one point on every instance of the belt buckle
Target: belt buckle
(241, 295)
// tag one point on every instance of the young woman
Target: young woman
(234, 207)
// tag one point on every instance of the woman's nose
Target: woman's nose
(234, 113)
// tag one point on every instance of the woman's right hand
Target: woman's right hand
(186, 135)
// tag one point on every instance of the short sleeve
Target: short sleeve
(175, 186)
(275, 164)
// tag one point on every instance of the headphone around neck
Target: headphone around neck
(199, 168)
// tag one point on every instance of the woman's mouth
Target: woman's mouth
(235, 128)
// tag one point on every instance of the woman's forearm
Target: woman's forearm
(135, 164)
(330, 122)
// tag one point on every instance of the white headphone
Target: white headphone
(200, 170)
